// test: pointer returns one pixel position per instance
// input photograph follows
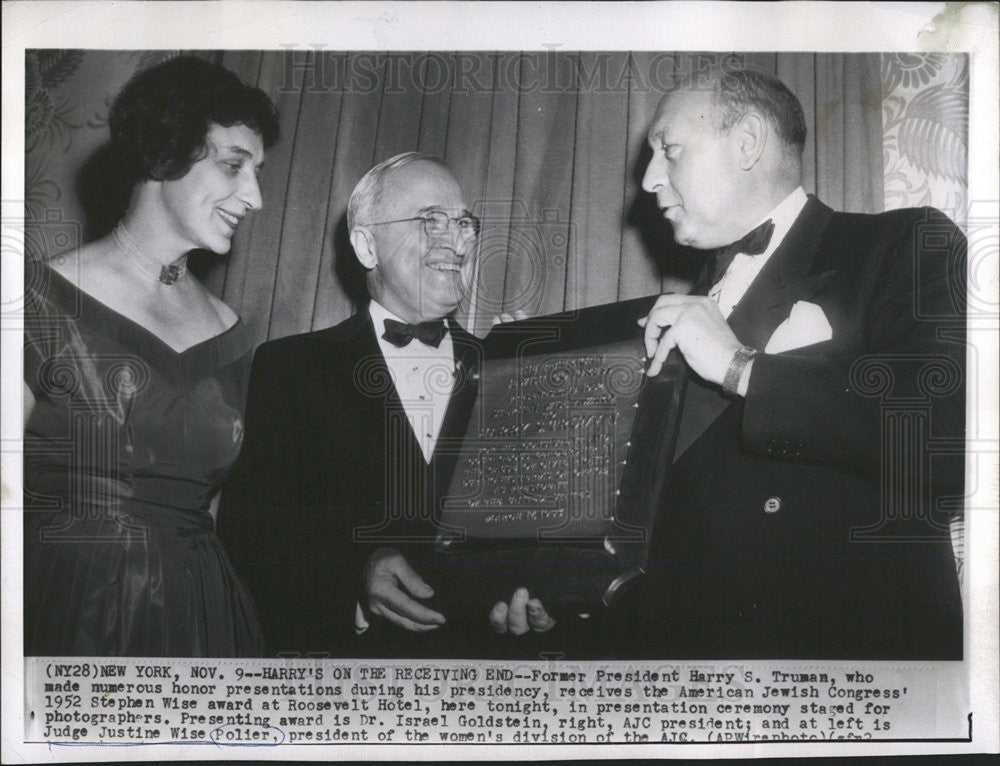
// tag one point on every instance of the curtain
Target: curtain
(549, 148)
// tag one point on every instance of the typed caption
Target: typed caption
(233, 703)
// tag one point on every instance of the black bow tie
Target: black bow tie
(400, 334)
(754, 243)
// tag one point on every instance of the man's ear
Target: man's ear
(364, 247)
(752, 134)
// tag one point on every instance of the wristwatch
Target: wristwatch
(731, 382)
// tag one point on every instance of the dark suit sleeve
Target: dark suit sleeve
(251, 491)
(270, 516)
(283, 526)
(826, 403)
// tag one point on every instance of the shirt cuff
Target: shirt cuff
(744, 384)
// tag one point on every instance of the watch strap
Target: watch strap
(731, 381)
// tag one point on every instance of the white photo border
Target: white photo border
(722, 26)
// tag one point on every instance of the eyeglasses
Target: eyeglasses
(436, 222)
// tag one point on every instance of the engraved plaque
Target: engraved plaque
(561, 470)
(544, 453)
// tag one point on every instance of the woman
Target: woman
(135, 377)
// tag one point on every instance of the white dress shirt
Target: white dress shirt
(424, 377)
(744, 269)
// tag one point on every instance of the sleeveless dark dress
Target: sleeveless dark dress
(126, 445)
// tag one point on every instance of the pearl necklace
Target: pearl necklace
(165, 274)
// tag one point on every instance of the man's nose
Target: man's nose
(655, 176)
(454, 238)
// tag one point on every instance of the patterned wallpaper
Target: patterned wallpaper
(925, 123)
(68, 94)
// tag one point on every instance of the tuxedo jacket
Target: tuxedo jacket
(809, 519)
(330, 471)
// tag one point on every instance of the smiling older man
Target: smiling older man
(331, 499)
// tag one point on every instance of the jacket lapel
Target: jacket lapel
(380, 400)
(371, 374)
(785, 279)
(468, 358)
(381, 404)
(388, 431)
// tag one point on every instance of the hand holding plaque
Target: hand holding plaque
(560, 471)
(391, 589)
(522, 614)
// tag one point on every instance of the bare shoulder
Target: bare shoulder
(226, 315)
(87, 267)
(70, 264)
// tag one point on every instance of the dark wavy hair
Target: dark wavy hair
(160, 118)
